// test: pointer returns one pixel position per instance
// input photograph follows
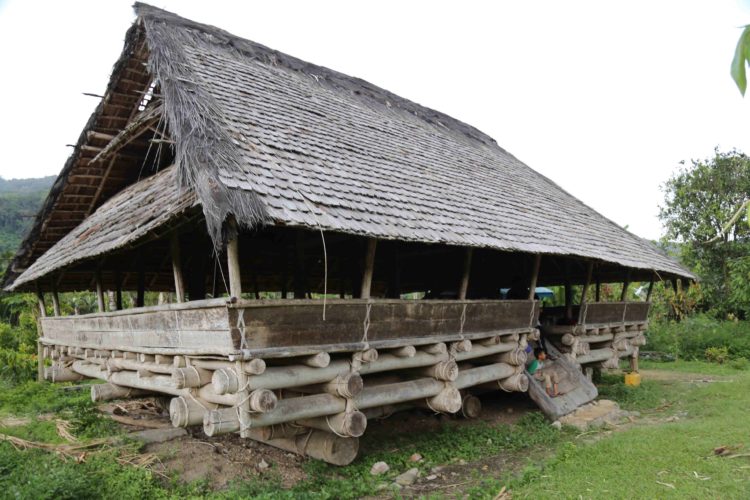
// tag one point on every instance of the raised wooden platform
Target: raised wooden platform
(278, 328)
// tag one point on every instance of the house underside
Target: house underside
(311, 278)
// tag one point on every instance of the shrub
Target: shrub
(690, 338)
(717, 354)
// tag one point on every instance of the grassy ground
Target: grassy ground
(687, 410)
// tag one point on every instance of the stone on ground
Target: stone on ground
(595, 414)
(379, 468)
(407, 478)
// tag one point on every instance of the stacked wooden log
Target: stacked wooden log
(598, 346)
(316, 405)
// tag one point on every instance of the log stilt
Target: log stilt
(108, 392)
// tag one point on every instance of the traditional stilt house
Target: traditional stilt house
(333, 251)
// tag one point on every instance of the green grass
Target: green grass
(628, 463)
(632, 463)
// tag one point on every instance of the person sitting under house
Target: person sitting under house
(544, 370)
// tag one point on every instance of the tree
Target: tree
(697, 200)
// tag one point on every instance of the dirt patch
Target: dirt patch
(673, 376)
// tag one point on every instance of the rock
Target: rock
(437, 469)
(415, 458)
(379, 468)
(263, 465)
(408, 477)
(556, 424)
(431, 477)
(462, 462)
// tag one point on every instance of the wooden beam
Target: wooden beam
(233, 261)
(464, 285)
(589, 273)
(118, 290)
(179, 284)
(140, 299)
(598, 288)
(99, 291)
(369, 267)
(625, 286)
(40, 301)
(535, 275)
(650, 289)
(55, 298)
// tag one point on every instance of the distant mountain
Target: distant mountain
(20, 199)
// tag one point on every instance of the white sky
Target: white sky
(605, 98)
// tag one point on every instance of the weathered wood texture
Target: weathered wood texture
(214, 327)
(279, 324)
(605, 313)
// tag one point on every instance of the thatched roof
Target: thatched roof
(275, 140)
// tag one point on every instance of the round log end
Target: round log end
(471, 406)
(225, 381)
(446, 370)
(447, 401)
(369, 355)
(349, 385)
(178, 412)
(255, 366)
(331, 448)
(354, 424)
(319, 360)
(515, 383)
(263, 400)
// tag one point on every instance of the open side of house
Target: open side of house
(324, 251)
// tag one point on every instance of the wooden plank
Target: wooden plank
(233, 262)
(301, 323)
(179, 284)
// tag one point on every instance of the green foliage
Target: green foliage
(20, 200)
(717, 354)
(649, 394)
(692, 337)
(740, 364)
(741, 59)
(699, 199)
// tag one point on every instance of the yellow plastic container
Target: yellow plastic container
(633, 379)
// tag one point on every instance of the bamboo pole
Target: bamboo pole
(233, 261)
(179, 284)
(369, 267)
(535, 275)
(464, 285)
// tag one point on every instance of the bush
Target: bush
(17, 366)
(690, 338)
(717, 354)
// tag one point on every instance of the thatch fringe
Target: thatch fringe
(197, 125)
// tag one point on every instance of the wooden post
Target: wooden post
(99, 291)
(140, 299)
(40, 301)
(233, 261)
(55, 298)
(300, 276)
(625, 285)
(650, 289)
(598, 288)
(464, 285)
(369, 266)
(118, 290)
(589, 273)
(535, 276)
(179, 283)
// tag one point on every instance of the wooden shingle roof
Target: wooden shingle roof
(275, 140)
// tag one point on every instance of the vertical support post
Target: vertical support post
(118, 290)
(634, 362)
(39, 346)
(650, 289)
(99, 291)
(587, 284)
(179, 283)
(40, 301)
(233, 261)
(369, 266)
(140, 298)
(55, 298)
(464, 285)
(300, 276)
(535, 275)
(625, 285)
(598, 288)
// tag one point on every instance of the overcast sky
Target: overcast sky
(605, 98)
